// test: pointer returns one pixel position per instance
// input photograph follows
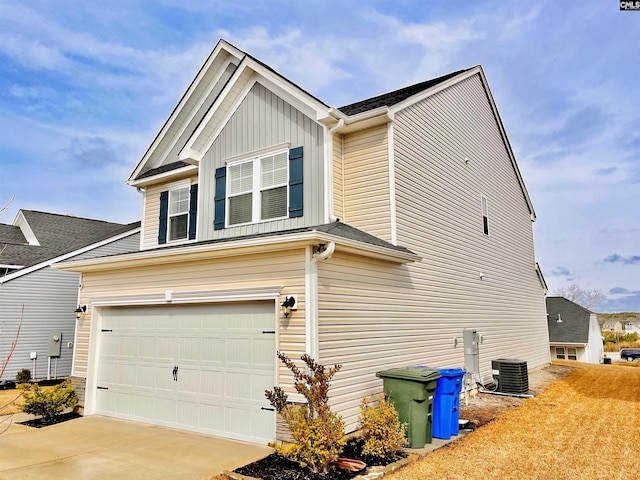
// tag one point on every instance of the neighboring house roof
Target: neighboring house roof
(574, 327)
(397, 96)
(55, 235)
(11, 234)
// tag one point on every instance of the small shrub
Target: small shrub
(317, 432)
(382, 432)
(48, 402)
(23, 375)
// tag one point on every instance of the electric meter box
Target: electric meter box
(55, 341)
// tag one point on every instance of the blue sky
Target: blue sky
(85, 87)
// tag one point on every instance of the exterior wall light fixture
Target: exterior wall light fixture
(288, 305)
(80, 310)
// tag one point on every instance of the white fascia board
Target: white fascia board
(188, 153)
(163, 177)
(361, 121)
(53, 261)
(236, 248)
(418, 97)
(6, 265)
(507, 144)
(21, 222)
(293, 92)
(300, 100)
(220, 46)
(477, 70)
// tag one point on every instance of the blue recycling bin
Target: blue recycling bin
(446, 403)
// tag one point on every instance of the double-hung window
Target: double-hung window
(178, 213)
(257, 189)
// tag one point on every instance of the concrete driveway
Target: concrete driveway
(97, 447)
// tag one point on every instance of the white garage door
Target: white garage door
(200, 367)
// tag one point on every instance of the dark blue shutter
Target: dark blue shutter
(193, 210)
(219, 199)
(296, 192)
(164, 215)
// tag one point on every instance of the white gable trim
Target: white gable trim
(291, 94)
(51, 262)
(21, 222)
(164, 176)
(218, 49)
(457, 79)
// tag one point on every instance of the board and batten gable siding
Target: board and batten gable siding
(439, 216)
(366, 181)
(263, 120)
(285, 269)
(49, 297)
(164, 152)
(151, 215)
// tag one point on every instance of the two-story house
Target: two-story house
(393, 223)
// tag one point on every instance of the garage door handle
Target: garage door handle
(268, 409)
(269, 331)
(175, 373)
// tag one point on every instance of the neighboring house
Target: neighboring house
(574, 332)
(242, 190)
(49, 297)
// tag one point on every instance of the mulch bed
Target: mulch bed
(40, 422)
(276, 467)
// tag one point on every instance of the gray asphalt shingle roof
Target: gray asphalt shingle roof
(574, 327)
(397, 96)
(57, 235)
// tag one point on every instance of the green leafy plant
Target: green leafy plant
(317, 432)
(48, 402)
(382, 432)
(23, 375)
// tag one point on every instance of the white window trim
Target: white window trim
(256, 189)
(172, 187)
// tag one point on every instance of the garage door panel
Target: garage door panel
(225, 363)
(190, 349)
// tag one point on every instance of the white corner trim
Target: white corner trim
(392, 185)
(311, 343)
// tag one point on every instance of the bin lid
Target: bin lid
(416, 374)
(452, 372)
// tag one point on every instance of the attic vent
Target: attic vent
(511, 375)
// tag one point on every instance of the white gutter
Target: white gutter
(329, 216)
(234, 248)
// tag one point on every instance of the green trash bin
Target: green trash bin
(411, 390)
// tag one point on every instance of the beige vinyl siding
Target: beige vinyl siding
(338, 177)
(376, 315)
(440, 218)
(160, 155)
(285, 269)
(366, 181)
(263, 120)
(151, 217)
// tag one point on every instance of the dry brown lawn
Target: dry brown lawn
(585, 425)
(10, 401)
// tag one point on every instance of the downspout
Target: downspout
(312, 344)
(328, 190)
